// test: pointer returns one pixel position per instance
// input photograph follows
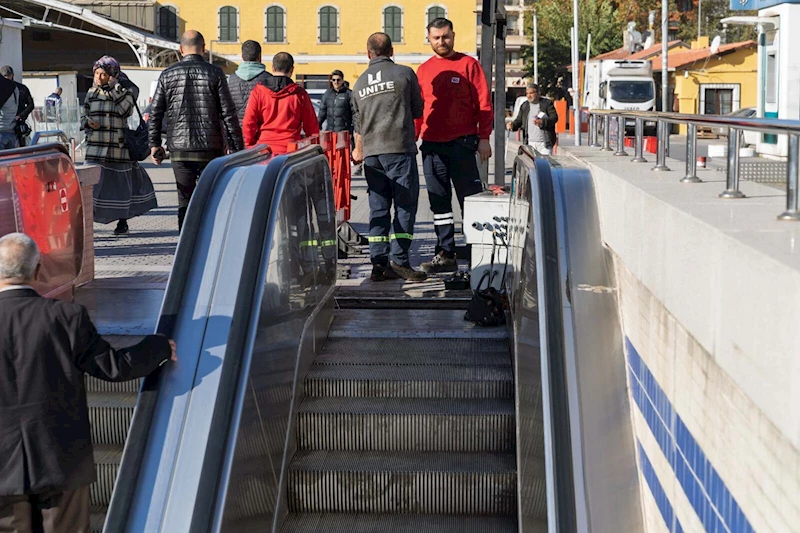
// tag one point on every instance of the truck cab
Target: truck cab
(623, 85)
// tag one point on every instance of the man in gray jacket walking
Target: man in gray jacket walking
(386, 100)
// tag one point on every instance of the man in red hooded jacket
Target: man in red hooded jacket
(279, 110)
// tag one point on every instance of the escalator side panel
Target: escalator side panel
(290, 319)
(166, 430)
(602, 430)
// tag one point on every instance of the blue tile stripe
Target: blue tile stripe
(662, 500)
(711, 499)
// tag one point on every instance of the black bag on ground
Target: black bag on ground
(486, 308)
(137, 140)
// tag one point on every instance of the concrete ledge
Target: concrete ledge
(727, 270)
(89, 176)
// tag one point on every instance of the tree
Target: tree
(597, 17)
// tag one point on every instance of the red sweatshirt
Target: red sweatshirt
(457, 100)
(277, 111)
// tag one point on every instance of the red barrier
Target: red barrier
(40, 196)
(650, 143)
(336, 146)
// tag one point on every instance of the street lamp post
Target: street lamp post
(664, 47)
(576, 95)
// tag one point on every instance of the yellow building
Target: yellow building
(713, 84)
(322, 35)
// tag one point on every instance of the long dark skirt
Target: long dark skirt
(124, 191)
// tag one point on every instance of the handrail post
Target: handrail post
(732, 184)
(606, 134)
(792, 211)
(691, 156)
(593, 142)
(638, 142)
(661, 157)
(620, 136)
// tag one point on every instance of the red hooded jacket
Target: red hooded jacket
(277, 112)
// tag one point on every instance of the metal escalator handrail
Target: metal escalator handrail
(127, 477)
(551, 304)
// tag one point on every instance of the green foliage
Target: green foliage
(597, 17)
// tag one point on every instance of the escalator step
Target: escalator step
(98, 385)
(107, 458)
(97, 517)
(397, 523)
(409, 324)
(403, 482)
(110, 415)
(407, 424)
(410, 381)
(429, 352)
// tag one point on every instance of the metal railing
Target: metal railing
(736, 126)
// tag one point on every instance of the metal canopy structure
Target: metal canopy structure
(149, 49)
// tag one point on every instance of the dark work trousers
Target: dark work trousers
(391, 178)
(186, 175)
(54, 512)
(444, 163)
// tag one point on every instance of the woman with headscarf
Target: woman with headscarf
(125, 189)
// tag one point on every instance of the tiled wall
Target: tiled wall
(709, 460)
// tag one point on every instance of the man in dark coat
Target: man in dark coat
(250, 73)
(24, 106)
(537, 119)
(203, 122)
(335, 105)
(46, 346)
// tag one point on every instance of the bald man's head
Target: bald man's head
(379, 45)
(192, 42)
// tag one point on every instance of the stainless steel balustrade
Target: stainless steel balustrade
(736, 126)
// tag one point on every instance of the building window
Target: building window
(167, 22)
(439, 12)
(228, 24)
(511, 25)
(719, 98)
(393, 23)
(512, 58)
(275, 24)
(328, 25)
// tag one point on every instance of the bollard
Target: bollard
(792, 211)
(691, 156)
(661, 156)
(732, 185)
(594, 131)
(606, 134)
(638, 142)
(620, 136)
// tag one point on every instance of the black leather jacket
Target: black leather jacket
(193, 94)
(335, 107)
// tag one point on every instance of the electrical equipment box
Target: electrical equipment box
(486, 231)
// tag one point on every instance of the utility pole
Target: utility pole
(664, 59)
(699, 17)
(576, 95)
(535, 47)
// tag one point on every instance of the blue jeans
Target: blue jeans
(391, 178)
(8, 140)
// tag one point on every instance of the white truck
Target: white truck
(621, 84)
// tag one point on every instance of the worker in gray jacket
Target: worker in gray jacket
(386, 99)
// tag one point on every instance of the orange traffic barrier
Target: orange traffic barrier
(336, 146)
(561, 109)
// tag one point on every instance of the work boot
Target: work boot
(441, 262)
(406, 272)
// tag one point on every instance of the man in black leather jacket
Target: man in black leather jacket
(194, 95)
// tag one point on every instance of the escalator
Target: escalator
(285, 413)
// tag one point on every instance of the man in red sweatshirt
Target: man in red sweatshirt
(279, 110)
(456, 123)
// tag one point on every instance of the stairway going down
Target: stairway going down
(407, 425)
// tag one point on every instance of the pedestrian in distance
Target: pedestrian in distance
(46, 347)
(336, 108)
(386, 101)
(14, 129)
(250, 73)
(52, 105)
(279, 110)
(203, 122)
(124, 190)
(456, 125)
(537, 119)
